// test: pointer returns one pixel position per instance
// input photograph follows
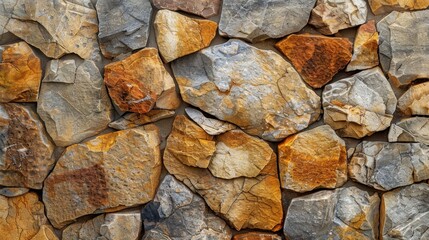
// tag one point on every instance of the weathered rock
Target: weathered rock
(313, 159)
(385, 166)
(257, 20)
(177, 213)
(124, 25)
(178, 35)
(204, 8)
(385, 6)
(415, 100)
(13, 192)
(330, 16)
(410, 130)
(55, 27)
(365, 49)
(316, 58)
(212, 126)
(131, 120)
(46, 232)
(404, 213)
(254, 89)
(25, 149)
(347, 213)
(256, 236)
(403, 50)
(20, 73)
(360, 105)
(140, 82)
(124, 225)
(73, 101)
(111, 172)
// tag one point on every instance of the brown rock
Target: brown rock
(204, 8)
(46, 232)
(385, 6)
(415, 100)
(256, 236)
(317, 58)
(131, 120)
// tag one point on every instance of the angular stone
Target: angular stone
(346, 213)
(313, 159)
(73, 101)
(20, 73)
(403, 46)
(212, 126)
(203, 8)
(26, 153)
(404, 213)
(317, 58)
(257, 20)
(385, 6)
(331, 16)
(415, 100)
(140, 82)
(111, 172)
(46, 232)
(360, 105)
(131, 120)
(13, 192)
(365, 49)
(255, 89)
(385, 166)
(178, 35)
(54, 27)
(177, 213)
(414, 129)
(124, 25)
(256, 236)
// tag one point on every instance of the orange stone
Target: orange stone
(256, 236)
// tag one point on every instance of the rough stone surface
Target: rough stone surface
(347, 213)
(365, 49)
(177, 213)
(313, 159)
(403, 46)
(257, 20)
(330, 16)
(385, 6)
(360, 105)
(46, 232)
(25, 149)
(73, 101)
(385, 166)
(204, 8)
(255, 89)
(124, 25)
(414, 129)
(111, 172)
(316, 58)
(131, 120)
(256, 236)
(55, 27)
(415, 100)
(140, 82)
(178, 35)
(405, 213)
(13, 192)
(211, 125)
(20, 73)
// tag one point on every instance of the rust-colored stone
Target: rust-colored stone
(256, 236)
(385, 6)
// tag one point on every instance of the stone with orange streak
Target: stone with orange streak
(130, 120)
(317, 58)
(415, 100)
(384, 6)
(256, 236)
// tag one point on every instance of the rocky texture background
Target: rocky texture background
(209, 119)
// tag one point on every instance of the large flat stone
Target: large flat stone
(204, 8)
(385, 6)
(414, 129)
(415, 100)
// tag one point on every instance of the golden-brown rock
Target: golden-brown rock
(131, 120)
(257, 236)
(46, 232)
(317, 58)
(415, 100)
(384, 6)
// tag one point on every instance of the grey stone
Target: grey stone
(13, 192)
(257, 20)
(414, 129)
(204, 8)
(131, 120)
(212, 126)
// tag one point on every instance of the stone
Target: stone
(131, 120)
(46, 232)
(365, 49)
(177, 213)
(403, 48)
(256, 236)
(313, 159)
(178, 35)
(385, 166)
(212, 126)
(203, 8)
(345, 213)
(255, 89)
(257, 20)
(414, 129)
(124, 25)
(317, 58)
(385, 6)
(404, 213)
(415, 100)
(26, 152)
(140, 82)
(20, 73)
(73, 101)
(124, 225)
(54, 27)
(360, 105)
(13, 192)
(109, 173)
(331, 16)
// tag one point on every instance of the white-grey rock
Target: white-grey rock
(414, 129)
(212, 126)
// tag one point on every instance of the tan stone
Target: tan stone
(256, 236)
(385, 6)
(46, 232)
(178, 35)
(415, 129)
(211, 125)
(131, 120)
(415, 100)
